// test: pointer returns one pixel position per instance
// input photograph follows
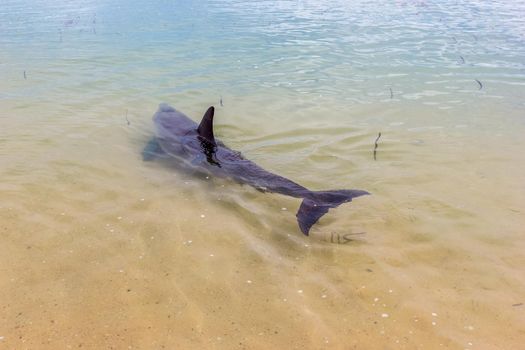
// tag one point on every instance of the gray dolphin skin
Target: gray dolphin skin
(194, 146)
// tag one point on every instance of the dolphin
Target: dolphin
(195, 147)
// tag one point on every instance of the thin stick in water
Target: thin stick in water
(480, 85)
(375, 146)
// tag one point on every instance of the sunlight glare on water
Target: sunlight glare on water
(102, 250)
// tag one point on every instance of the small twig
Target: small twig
(518, 304)
(127, 117)
(355, 233)
(480, 85)
(375, 146)
(343, 238)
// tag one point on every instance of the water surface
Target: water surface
(101, 250)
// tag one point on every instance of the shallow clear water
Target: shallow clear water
(101, 250)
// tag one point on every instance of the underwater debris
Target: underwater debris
(480, 85)
(375, 146)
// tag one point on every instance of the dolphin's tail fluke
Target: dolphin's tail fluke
(317, 203)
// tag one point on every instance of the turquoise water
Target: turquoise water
(101, 250)
(349, 52)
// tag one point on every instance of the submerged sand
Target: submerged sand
(101, 250)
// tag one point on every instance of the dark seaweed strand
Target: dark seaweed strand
(375, 146)
(391, 93)
(480, 85)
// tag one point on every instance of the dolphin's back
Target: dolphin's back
(172, 124)
(246, 171)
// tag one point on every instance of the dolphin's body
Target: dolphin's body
(179, 137)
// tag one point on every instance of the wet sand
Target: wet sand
(101, 250)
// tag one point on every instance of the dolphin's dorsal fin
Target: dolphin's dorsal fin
(205, 128)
